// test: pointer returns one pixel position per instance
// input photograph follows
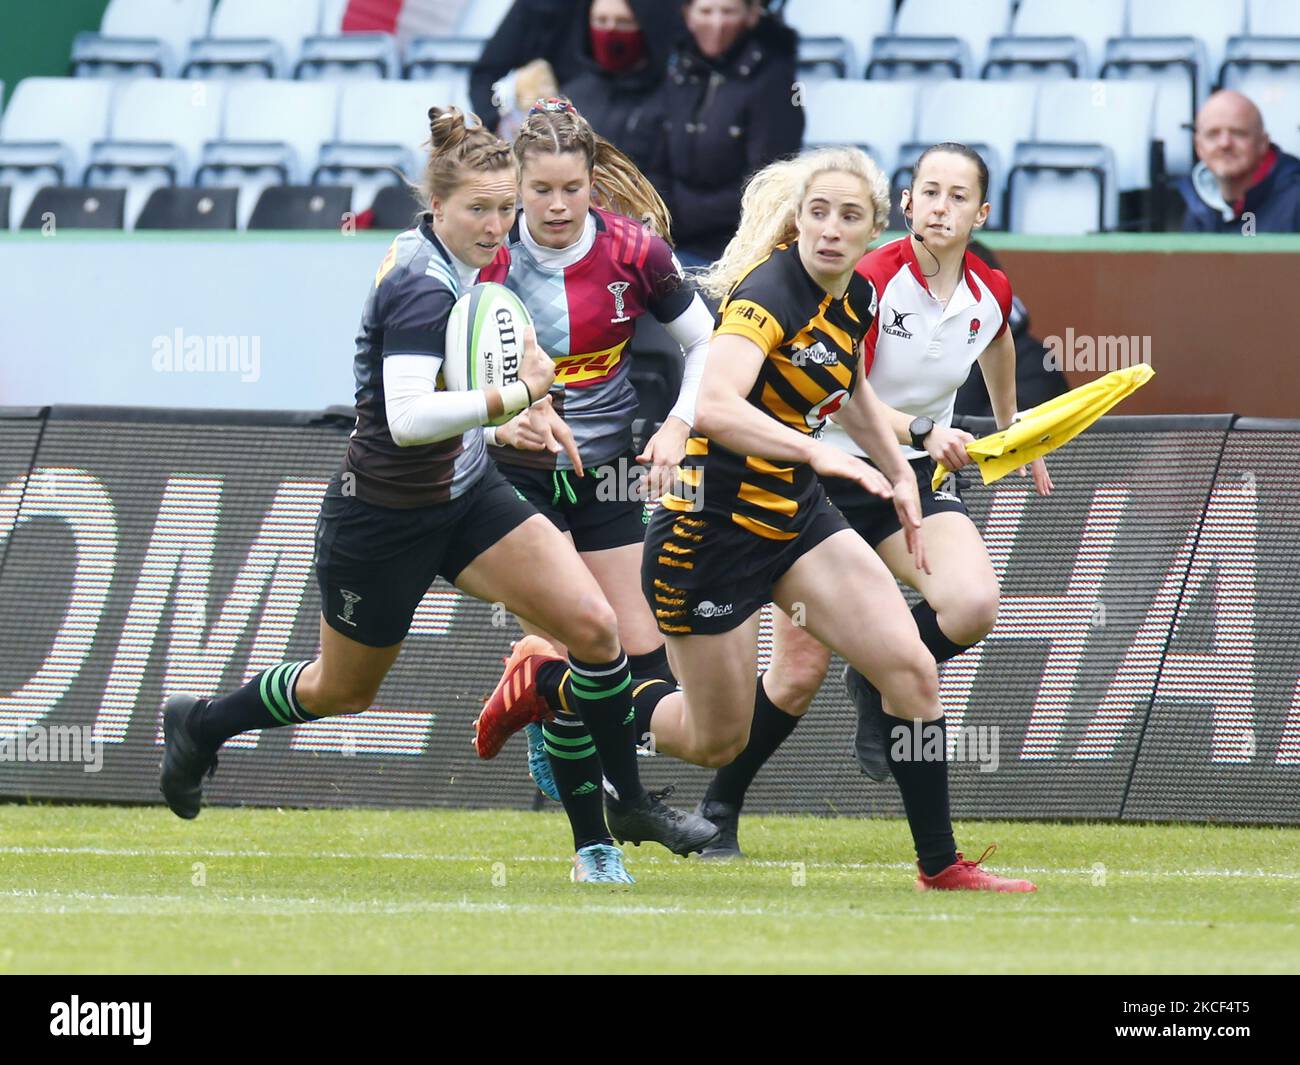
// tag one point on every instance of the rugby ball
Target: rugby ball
(485, 340)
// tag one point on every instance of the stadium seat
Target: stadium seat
(1036, 57)
(271, 135)
(1063, 188)
(141, 37)
(76, 207)
(1211, 22)
(301, 207)
(1254, 65)
(997, 114)
(156, 135)
(441, 57)
(1047, 36)
(836, 35)
(1279, 103)
(482, 17)
(189, 208)
(383, 127)
(875, 115)
(335, 54)
(47, 132)
(915, 50)
(394, 207)
(1182, 46)
(1176, 64)
(1264, 67)
(1273, 18)
(349, 55)
(253, 37)
(331, 15)
(1058, 186)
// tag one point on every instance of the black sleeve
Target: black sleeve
(778, 130)
(863, 299)
(414, 315)
(669, 291)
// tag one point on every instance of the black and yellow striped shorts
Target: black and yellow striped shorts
(703, 574)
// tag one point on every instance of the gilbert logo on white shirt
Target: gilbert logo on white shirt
(897, 328)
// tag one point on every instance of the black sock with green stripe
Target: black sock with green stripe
(266, 701)
(575, 765)
(601, 694)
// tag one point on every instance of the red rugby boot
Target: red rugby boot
(965, 875)
(515, 702)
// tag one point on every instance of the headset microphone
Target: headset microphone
(907, 221)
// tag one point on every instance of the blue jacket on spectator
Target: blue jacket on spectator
(1275, 201)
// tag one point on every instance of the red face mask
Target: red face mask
(616, 50)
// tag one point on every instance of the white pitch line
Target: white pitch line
(196, 854)
(53, 902)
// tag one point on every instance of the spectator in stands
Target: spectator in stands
(1241, 173)
(531, 29)
(729, 110)
(621, 53)
(609, 55)
(1035, 383)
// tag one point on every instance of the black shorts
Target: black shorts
(732, 571)
(603, 509)
(374, 564)
(875, 519)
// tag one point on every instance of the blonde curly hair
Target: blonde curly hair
(771, 204)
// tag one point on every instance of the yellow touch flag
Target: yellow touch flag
(1049, 425)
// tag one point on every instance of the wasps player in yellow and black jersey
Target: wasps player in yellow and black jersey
(749, 522)
(811, 340)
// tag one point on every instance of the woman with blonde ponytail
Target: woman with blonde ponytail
(943, 308)
(749, 522)
(417, 499)
(588, 256)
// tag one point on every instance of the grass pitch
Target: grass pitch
(125, 890)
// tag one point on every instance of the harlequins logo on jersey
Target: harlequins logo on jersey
(974, 330)
(616, 290)
(897, 328)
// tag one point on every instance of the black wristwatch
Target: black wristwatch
(920, 428)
